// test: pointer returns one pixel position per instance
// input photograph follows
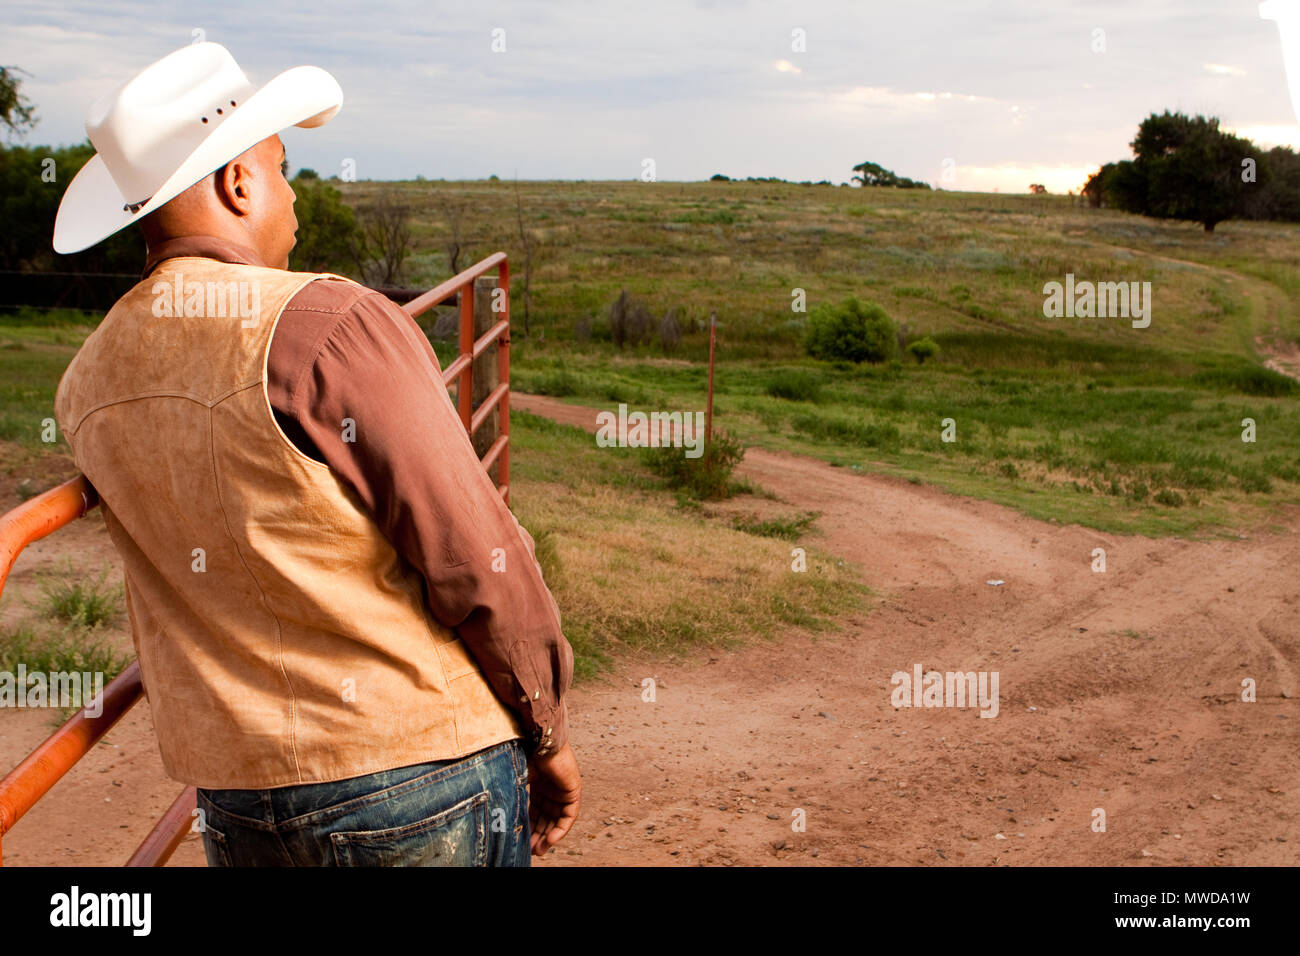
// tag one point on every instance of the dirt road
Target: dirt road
(1119, 692)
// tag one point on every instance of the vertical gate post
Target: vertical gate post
(486, 371)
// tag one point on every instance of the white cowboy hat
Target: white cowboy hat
(160, 133)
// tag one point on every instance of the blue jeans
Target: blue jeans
(467, 812)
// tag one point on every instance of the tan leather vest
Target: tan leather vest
(281, 638)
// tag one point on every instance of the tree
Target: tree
(1117, 185)
(1192, 168)
(873, 174)
(1183, 167)
(17, 114)
(383, 239)
(453, 212)
(327, 229)
(1276, 195)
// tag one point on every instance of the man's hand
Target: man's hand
(554, 792)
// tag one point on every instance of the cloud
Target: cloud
(586, 90)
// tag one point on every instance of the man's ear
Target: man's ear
(234, 186)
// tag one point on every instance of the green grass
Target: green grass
(56, 649)
(69, 625)
(80, 603)
(787, 529)
(1153, 444)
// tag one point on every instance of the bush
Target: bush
(630, 322)
(794, 386)
(923, 349)
(327, 228)
(852, 331)
(559, 383)
(670, 330)
(708, 476)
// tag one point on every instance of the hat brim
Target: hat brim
(92, 208)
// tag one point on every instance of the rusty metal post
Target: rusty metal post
(503, 374)
(172, 828)
(708, 417)
(465, 386)
(486, 370)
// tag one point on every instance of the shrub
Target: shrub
(852, 331)
(1167, 496)
(923, 349)
(708, 476)
(327, 228)
(794, 386)
(558, 383)
(670, 330)
(630, 322)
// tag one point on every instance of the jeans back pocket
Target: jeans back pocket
(457, 836)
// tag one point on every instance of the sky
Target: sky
(963, 94)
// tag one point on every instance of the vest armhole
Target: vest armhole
(266, 355)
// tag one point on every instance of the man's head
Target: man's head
(248, 201)
(184, 115)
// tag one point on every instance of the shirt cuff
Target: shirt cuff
(551, 733)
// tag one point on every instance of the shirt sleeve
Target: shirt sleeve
(413, 465)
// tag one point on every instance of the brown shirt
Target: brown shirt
(344, 352)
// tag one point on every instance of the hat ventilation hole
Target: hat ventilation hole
(205, 119)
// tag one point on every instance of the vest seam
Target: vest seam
(279, 646)
(162, 393)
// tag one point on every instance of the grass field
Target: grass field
(1087, 420)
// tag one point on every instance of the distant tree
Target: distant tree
(1192, 168)
(1278, 195)
(327, 228)
(17, 114)
(719, 178)
(1037, 189)
(1184, 167)
(452, 210)
(873, 174)
(382, 241)
(32, 181)
(306, 173)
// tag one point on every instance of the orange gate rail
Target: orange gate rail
(75, 498)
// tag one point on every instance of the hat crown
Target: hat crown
(147, 127)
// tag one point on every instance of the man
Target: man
(343, 633)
